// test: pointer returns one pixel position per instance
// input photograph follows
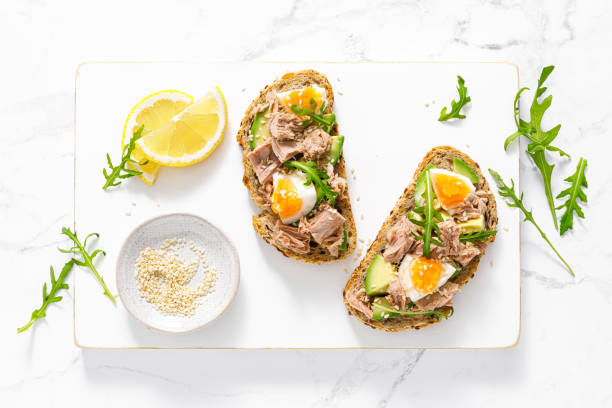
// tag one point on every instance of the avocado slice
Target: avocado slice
(380, 272)
(259, 129)
(419, 188)
(461, 167)
(336, 149)
(379, 313)
(473, 225)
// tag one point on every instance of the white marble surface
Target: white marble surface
(564, 352)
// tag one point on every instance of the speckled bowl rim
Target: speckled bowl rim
(223, 234)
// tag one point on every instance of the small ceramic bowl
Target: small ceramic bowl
(220, 253)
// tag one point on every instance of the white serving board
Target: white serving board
(388, 113)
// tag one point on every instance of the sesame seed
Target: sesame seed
(340, 93)
(133, 203)
(352, 171)
(427, 105)
(243, 89)
(506, 229)
(164, 278)
(361, 240)
(128, 213)
(362, 216)
(467, 145)
(491, 263)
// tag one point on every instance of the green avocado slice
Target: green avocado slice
(461, 167)
(259, 129)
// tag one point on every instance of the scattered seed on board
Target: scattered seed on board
(491, 263)
(506, 229)
(340, 93)
(358, 198)
(128, 213)
(243, 89)
(427, 105)
(134, 203)
(467, 145)
(362, 216)
(361, 240)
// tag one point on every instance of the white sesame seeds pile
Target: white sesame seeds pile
(163, 277)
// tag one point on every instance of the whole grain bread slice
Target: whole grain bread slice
(265, 221)
(440, 157)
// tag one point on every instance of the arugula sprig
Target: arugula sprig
(81, 249)
(324, 121)
(315, 176)
(573, 193)
(540, 140)
(477, 236)
(430, 218)
(117, 173)
(455, 110)
(516, 202)
(430, 313)
(57, 284)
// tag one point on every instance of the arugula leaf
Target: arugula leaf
(516, 202)
(476, 236)
(117, 173)
(317, 177)
(456, 105)
(540, 139)
(324, 121)
(430, 216)
(573, 193)
(429, 313)
(48, 298)
(81, 249)
(344, 244)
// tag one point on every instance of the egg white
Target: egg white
(406, 280)
(308, 194)
(435, 172)
(320, 90)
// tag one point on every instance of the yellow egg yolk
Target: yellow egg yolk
(425, 274)
(302, 98)
(451, 190)
(285, 200)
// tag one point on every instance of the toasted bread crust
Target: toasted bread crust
(440, 157)
(264, 222)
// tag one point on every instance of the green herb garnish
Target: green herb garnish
(81, 249)
(477, 236)
(456, 105)
(119, 172)
(573, 193)
(344, 244)
(517, 202)
(50, 297)
(430, 218)
(540, 139)
(324, 121)
(430, 313)
(317, 177)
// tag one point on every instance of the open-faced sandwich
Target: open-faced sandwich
(429, 246)
(294, 169)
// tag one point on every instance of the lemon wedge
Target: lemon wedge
(153, 112)
(190, 136)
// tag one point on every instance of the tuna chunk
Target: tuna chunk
(397, 294)
(316, 144)
(467, 252)
(473, 206)
(285, 149)
(442, 297)
(264, 161)
(285, 126)
(360, 301)
(449, 236)
(325, 226)
(289, 237)
(336, 182)
(399, 240)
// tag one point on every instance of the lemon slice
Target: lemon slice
(153, 112)
(191, 135)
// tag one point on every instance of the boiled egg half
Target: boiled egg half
(302, 97)
(291, 198)
(451, 188)
(421, 276)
